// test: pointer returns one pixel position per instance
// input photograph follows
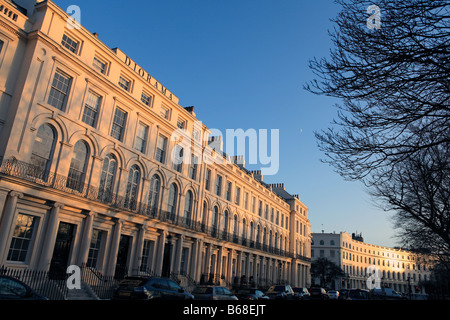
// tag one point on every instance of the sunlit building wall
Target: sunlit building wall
(87, 176)
(401, 270)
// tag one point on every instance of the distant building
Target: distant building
(401, 270)
(87, 175)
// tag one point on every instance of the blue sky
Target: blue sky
(243, 64)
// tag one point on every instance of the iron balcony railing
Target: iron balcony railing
(35, 174)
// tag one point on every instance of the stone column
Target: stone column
(86, 238)
(139, 247)
(197, 271)
(178, 253)
(114, 248)
(50, 237)
(160, 254)
(6, 223)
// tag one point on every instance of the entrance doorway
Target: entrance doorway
(167, 258)
(62, 250)
(122, 257)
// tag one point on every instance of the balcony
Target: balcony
(34, 174)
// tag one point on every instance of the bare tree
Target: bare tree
(393, 82)
(419, 193)
(393, 126)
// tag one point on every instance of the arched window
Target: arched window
(153, 196)
(276, 240)
(251, 231)
(188, 207)
(244, 229)
(214, 220)
(225, 222)
(173, 199)
(264, 236)
(43, 149)
(77, 170)
(107, 178)
(134, 179)
(205, 216)
(258, 236)
(235, 225)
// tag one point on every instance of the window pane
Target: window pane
(124, 83)
(69, 43)
(134, 178)
(118, 126)
(107, 178)
(99, 65)
(153, 198)
(91, 108)
(146, 99)
(141, 137)
(60, 90)
(22, 236)
(161, 149)
(75, 179)
(43, 147)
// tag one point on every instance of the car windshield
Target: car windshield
(357, 294)
(203, 290)
(132, 282)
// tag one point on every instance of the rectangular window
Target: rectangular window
(70, 44)
(193, 167)
(95, 247)
(253, 204)
(141, 137)
(165, 112)
(229, 191)
(161, 149)
(218, 185)
(22, 237)
(119, 121)
(260, 208)
(181, 124)
(99, 65)
(124, 83)
(146, 99)
(178, 159)
(266, 212)
(91, 108)
(60, 90)
(207, 179)
(246, 201)
(237, 196)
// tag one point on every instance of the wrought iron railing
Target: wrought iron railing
(40, 176)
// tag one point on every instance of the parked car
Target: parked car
(149, 288)
(387, 294)
(283, 291)
(301, 293)
(14, 289)
(250, 294)
(343, 294)
(333, 294)
(213, 293)
(318, 293)
(358, 294)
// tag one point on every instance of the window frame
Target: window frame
(65, 44)
(115, 124)
(96, 112)
(54, 88)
